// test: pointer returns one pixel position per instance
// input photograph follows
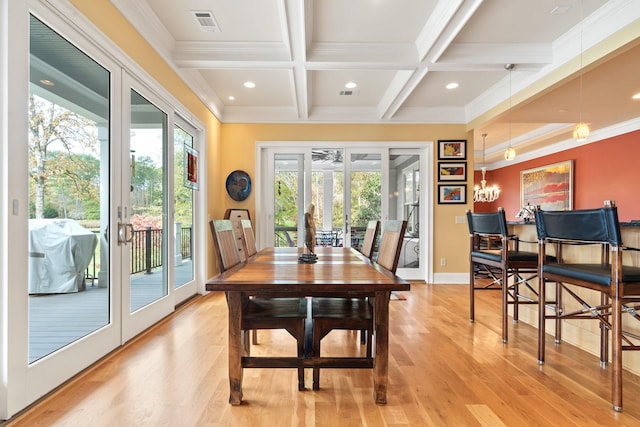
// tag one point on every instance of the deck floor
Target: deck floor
(56, 320)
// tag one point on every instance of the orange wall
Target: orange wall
(604, 170)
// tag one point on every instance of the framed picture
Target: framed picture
(452, 171)
(191, 168)
(452, 194)
(452, 149)
(550, 187)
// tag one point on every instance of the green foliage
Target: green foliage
(366, 202)
(50, 212)
(286, 199)
(183, 195)
(65, 173)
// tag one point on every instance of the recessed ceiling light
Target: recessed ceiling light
(636, 96)
(47, 82)
(351, 85)
(452, 85)
(249, 85)
(232, 98)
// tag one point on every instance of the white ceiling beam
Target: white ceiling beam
(436, 26)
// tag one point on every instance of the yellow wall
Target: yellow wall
(109, 20)
(233, 146)
(239, 152)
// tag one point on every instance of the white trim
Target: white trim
(450, 279)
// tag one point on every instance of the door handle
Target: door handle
(125, 233)
(122, 238)
(129, 239)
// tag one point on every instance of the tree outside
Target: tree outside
(64, 167)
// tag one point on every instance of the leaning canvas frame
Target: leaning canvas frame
(550, 187)
(191, 168)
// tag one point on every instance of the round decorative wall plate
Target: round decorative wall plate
(238, 185)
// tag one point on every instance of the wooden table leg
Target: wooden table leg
(381, 364)
(234, 302)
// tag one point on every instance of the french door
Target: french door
(144, 231)
(102, 224)
(348, 186)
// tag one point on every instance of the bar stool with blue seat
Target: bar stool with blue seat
(618, 284)
(501, 262)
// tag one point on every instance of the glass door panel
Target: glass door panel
(365, 187)
(148, 215)
(327, 194)
(69, 292)
(183, 209)
(404, 203)
(288, 218)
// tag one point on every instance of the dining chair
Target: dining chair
(618, 284)
(356, 313)
(368, 249)
(249, 239)
(225, 242)
(493, 250)
(393, 232)
(261, 312)
(370, 238)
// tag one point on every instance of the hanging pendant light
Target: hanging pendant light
(510, 152)
(581, 130)
(484, 192)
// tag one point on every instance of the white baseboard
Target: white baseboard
(451, 278)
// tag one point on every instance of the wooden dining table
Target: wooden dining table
(338, 272)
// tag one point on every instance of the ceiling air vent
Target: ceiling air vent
(206, 21)
(349, 92)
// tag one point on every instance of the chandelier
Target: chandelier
(484, 193)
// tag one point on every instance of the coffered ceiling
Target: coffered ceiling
(402, 54)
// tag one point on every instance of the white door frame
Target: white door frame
(264, 192)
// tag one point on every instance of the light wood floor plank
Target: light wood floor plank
(443, 371)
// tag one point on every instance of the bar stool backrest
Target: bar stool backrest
(587, 225)
(487, 223)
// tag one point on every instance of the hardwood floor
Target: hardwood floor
(443, 371)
